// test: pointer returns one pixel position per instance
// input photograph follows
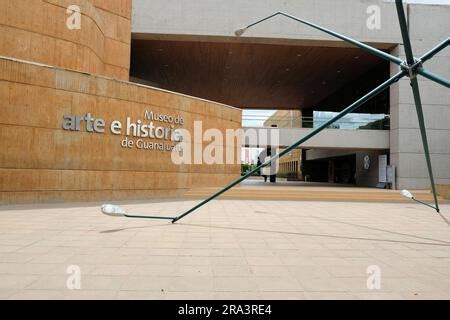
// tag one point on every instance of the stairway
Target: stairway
(301, 193)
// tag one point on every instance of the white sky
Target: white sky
(430, 1)
(255, 118)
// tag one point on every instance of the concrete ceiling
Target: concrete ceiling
(249, 75)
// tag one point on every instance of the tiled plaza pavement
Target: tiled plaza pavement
(228, 249)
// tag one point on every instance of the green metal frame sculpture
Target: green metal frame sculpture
(411, 67)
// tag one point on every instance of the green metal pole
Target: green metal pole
(427, 56)
(423, 133)
(379, 53)
(430, 54)
(404, 31)
(434, 77)
(424, 203)
(415, 89)
(347, 110)
(148, 217)
(359, 44)
(429, 205)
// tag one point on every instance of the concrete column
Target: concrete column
(406, 145)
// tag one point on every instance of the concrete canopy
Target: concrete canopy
(248, 74)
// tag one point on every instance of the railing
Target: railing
(359, 123)
(353, 121)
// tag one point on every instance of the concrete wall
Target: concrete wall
(327, 139)
(429, 25)
(284, 119)
(41, 162)
(218, 18)
(367, 178)
(35, 30)
(291, 163)
(364, 177)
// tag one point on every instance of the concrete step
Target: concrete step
(309, 194)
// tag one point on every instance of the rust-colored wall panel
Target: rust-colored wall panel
(41, 162)
(35, 30)
(443, 190)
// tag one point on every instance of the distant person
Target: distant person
(265, 171)
(258, 164)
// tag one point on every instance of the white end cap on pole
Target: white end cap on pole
(113, 210)
(407, 194)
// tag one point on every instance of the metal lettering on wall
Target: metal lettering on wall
(143, 131)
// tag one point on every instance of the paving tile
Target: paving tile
(195, 270)
(323, 284)
(226, 251)
(14, 282)
(376, 295)
(264, 261)
(49, 282)
(28, 269)
(231, 271)
(189, 295)
(112, 270)
(300, 272)
(329, 296)
(278, 284)
(235, 295)
(140, 295)
(38, 295)
(101, 282)
(144, 283)
(191, 283)
(232, 284)
(153, 270)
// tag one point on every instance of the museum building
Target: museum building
(95, 95)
